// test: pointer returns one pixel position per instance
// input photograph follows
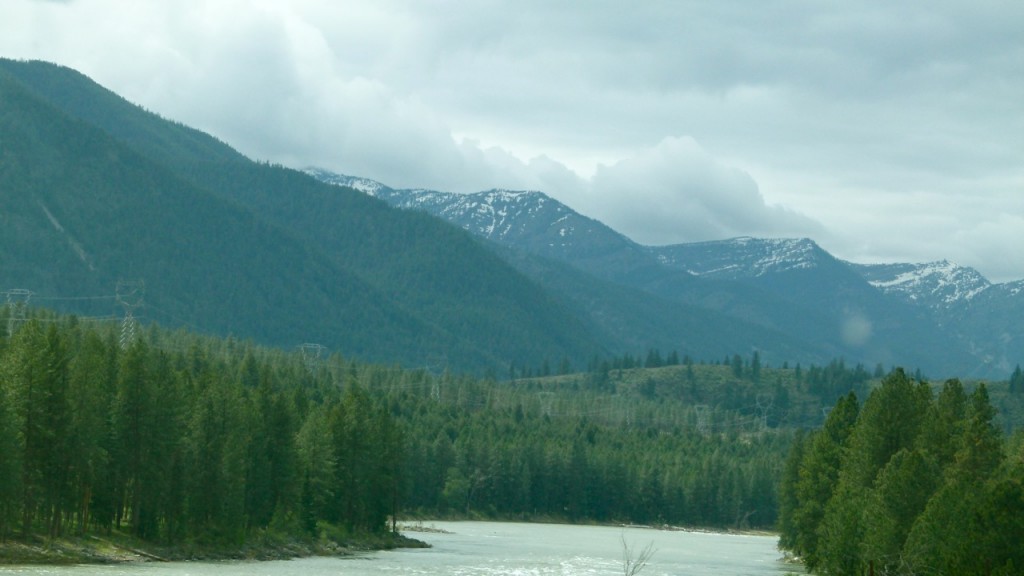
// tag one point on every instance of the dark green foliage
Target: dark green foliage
(944, 421)
(38, 373)
(999, 523)
(1017, 381)
(563, 448)
(815, 478)
(789, 499)
(888, 423)
(922, 486)
(902, 490)
(161, 439)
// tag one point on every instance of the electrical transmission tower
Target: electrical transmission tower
(17, 309)
(129, 295)
(311, 355)
(764, 405)
(437, 367)
(547, 403)
(702, 418)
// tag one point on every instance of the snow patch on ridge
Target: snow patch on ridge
(939, 283)
(364, 185)
(744, 257)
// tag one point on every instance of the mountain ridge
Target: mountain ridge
(94, 189)
(882, 275)
(911, 279)
(940, 283)
(796, 271)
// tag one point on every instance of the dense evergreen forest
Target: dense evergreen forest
(174, 437)
(178, 438)
(912, 482)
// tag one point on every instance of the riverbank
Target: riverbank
(415, 523)
(119, 548)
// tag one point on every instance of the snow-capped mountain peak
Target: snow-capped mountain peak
(510, 217)
(933, 284)
(742, 257)
(365, 185)
(493, 214)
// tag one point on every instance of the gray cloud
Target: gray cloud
(884, 131)
(676, 192)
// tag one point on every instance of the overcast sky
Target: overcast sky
(886, 131)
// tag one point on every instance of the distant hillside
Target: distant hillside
(787, 298)
(607, 277)
(530, 221)
(96, 190)
(983, 316)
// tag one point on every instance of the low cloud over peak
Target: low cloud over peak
(677, 192)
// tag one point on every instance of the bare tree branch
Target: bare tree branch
(633, 563)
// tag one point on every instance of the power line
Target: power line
(76, 298)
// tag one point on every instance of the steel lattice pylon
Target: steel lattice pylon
(129, 295)
(17, 308)
(312, 354)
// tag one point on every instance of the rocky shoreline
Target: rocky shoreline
(117, 549)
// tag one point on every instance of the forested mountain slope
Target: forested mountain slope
(82, 211)
(783, 291)
(105, 190)
(963, 302)
(640, 321)
(616, 283)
